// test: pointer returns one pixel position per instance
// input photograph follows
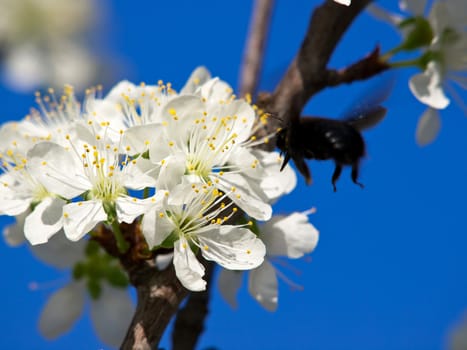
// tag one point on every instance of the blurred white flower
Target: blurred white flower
(289, 236)
(40, 42)
(441, 35)
(109, 312)
(458, 335)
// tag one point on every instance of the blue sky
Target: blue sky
(389, 271)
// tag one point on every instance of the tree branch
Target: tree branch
(255, 46)
(159, 293)
(307, 74)
(189, 324)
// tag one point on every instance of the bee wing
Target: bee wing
(367, 111)
(368, 119)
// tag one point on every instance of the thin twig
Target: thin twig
(255, 46)
(308, 73)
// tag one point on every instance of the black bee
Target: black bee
(323, 138)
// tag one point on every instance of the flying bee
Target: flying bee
(323, 138)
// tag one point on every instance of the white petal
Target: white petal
(57, 169)
(139, 138)
(246, 160)
(262, 285)
(44, 221)
(414, 7)
(123, 87)
(62, 310)
(156, 229)
(171, 171)
(163, 261)
(276, 183)
(59, 251)
(106, 111)
(216, 90)
(343, 2)
(82, 217)
(232, 247)
(187, 109)
(197, 78)
(246, 195)
(138, 174)
(111, 314)
(291, 236)
(188, 269)
(246, 117)
(129, 208)
(160, 149)
(383, 14)
(427, 87)
(155, 225)
(428, 127)
(13, 206)
(229, 282)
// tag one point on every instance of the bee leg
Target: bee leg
(335, 176)
(285, 161)
(355, 175)
(303, 169)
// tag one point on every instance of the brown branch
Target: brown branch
(189, 324)
(308, 73)
(159, 293)
(256, 44)
(366, 68)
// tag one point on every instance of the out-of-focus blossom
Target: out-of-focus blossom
(289, 236)
(41, 43)
(441, 35)
(458, 335)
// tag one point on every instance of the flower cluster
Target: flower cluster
(181, 164)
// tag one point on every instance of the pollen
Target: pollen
(161, 215)
(65, 215)
(248, 251)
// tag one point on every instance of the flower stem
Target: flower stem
(407, 63)
(122, 244)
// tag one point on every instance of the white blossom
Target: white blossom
(291, 236)
(208, 139)
(93, 169)
(66, 305)
(192, 216)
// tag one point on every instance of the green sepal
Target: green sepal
(94, 288)
(419, 33)
(116, 277)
